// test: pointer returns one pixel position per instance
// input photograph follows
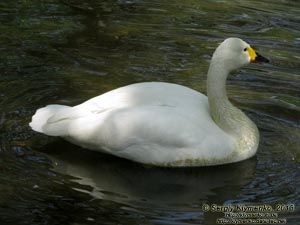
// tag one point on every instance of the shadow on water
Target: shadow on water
(126, 182)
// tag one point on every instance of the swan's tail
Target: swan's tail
(46, 120)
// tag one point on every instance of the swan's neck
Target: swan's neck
(220, 107)
(229, 118)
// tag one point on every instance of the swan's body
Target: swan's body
(161, 123)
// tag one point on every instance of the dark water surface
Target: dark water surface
(68, 51)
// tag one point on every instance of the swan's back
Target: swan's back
(148, 93)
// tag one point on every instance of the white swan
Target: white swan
(163, 124)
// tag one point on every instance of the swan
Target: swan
(163, 124)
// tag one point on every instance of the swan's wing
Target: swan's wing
(54, 120)
(157, 94)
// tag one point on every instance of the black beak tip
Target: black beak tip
(261, 59)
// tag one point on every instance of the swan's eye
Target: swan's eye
(245, 49)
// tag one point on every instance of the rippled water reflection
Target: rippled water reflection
(68, 51)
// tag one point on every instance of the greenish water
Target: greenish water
(68, 51)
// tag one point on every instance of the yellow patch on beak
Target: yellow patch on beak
(252, 54)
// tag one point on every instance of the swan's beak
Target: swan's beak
(260, 59)
(256, 58)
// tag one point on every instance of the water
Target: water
(68, 51)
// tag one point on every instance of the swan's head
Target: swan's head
(234, 53)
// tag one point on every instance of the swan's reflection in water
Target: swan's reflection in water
(122, 181)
